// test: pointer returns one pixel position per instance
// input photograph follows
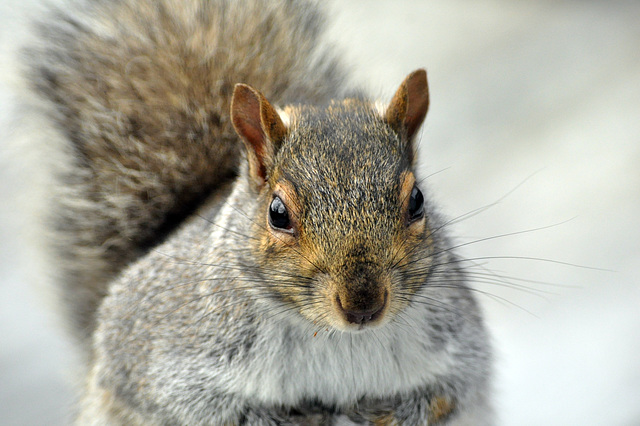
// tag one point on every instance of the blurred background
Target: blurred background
(535, 115)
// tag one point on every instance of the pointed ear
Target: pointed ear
(258, 124)
(409, 105)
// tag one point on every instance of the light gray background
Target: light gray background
(543, 97)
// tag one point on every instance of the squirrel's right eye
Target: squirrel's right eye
(416, 205)
(278, 215)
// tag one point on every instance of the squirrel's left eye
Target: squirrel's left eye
(416, 205)
(279, 216)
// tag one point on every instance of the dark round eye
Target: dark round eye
(278, 215)
(416, 205)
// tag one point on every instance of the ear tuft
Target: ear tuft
(409, 105)
(258, 124)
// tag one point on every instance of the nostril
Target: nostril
(362, 316)
(356, 317)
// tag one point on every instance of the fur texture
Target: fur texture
(193, 306)
(215, 345)
(142, 91)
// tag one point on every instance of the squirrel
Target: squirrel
(242, 237)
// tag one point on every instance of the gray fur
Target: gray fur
(142, 89)
(211, 346)
(205, 315)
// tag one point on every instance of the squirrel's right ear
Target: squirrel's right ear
(409, 105)
(258, 124)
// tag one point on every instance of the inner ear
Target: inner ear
(259, 126)
(409, 105)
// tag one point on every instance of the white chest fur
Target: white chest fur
(339, 368)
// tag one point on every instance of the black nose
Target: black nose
(363, 317)
(362, 314)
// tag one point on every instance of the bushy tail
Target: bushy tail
(141, 91)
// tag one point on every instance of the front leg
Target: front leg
(425, 410)
(417, 409)
(440, 409)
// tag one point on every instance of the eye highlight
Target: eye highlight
(279, 216)
(416, 205)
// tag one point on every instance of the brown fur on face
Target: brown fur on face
(340, 264)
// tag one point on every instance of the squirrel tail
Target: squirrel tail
(141, 91)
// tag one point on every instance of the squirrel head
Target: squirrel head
(340, 226)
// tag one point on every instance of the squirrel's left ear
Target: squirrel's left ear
(258, 124)
(409, 105)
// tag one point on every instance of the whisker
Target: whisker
(499, 299)
(484, 208)
(508, 234)
(537, 259)
(434, 303)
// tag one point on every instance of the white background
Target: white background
(543, 97)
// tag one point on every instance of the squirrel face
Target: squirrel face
(340, 217)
